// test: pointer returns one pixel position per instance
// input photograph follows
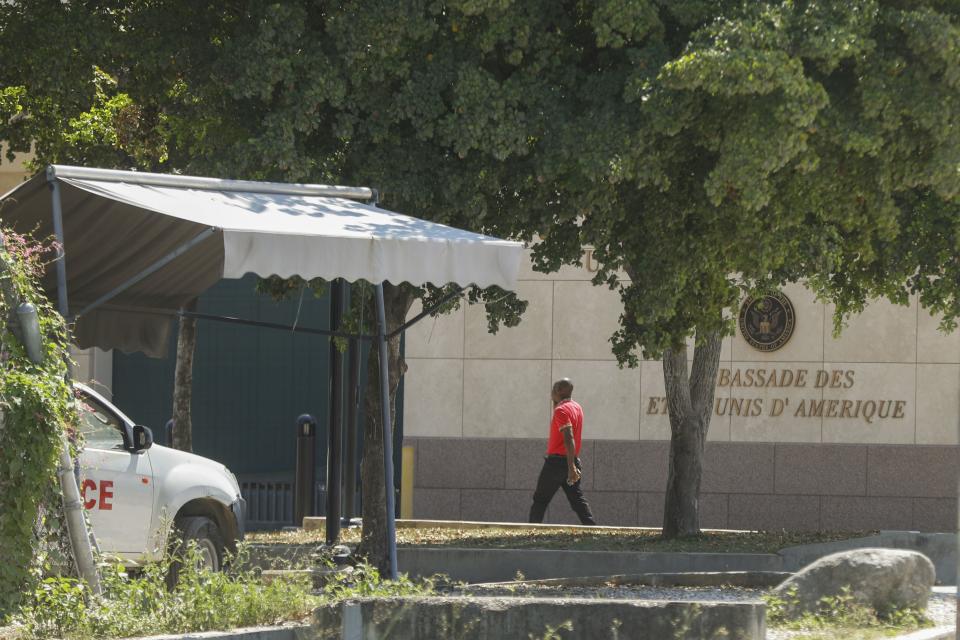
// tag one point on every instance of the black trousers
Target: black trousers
(553, 476)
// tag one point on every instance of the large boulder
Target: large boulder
(883, 579)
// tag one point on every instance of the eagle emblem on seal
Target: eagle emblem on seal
(767, 322)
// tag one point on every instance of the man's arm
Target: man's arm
(573, 474)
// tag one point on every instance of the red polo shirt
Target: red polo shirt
(567, 412)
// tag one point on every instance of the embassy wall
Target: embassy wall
(856, 432)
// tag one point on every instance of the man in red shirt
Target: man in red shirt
(561, 467)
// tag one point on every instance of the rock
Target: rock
(883, 579)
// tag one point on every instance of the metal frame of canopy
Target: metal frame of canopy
(370, 196)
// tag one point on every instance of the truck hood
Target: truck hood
(165, 458)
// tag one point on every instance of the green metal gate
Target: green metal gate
(249, 384)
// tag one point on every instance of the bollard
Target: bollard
(304, 482)
(168, 433)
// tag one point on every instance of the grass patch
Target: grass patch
(579, 539)
(841, 616)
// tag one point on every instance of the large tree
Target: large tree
(713, 150)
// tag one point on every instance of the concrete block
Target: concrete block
(454, 463)
(862, 513)
(631, 466)
(773, 512)
(613, 508)
(934, 515)
(436, 504)
(821, 469)
(495, 505)
(912, 471)
(738, 467)
(524, 459)
(489, 618)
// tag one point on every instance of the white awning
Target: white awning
(118, 223)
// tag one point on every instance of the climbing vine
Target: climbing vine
(35, 404)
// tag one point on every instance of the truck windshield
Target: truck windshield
(100, 428)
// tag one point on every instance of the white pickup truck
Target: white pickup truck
(134, 490)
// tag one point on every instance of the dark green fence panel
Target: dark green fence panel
(249, 384)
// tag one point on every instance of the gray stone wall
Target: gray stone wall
(767, 486)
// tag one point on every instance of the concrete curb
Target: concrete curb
(938, 633)
(747, 579)
(289, 632)
(498, 565)
(318, 523)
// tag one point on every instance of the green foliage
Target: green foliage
(364, 580)
(142, 605)
(840, 612)
(553, 632)
(35, 404)
(726, 148)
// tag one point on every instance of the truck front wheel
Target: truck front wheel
(205, 533)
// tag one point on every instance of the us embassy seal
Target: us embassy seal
(767, 323)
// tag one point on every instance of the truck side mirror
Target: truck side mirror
(142, 438)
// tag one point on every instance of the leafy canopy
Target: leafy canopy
(704, 149)
(710, 149)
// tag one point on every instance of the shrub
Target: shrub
(142, 605)
(35, 404)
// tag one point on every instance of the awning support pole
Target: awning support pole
(270, 325)
(387, 431)
(62, 303)
(72, 505)
(153, 268)
(353, 411)
(335, 426)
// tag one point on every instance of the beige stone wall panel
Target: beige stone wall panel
(506, 398)
(529, 340)
(439, 337)
(884, 332)
(938, 403)
(891, 384)
(584, 318)
(610, 397)
(933, 345)
(433, 402)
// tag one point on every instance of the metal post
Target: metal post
(72, 505)
(62, 304)
(387, 432)
(304, 479)
(335, 431)
(353, 412)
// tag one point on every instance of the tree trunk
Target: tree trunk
(690, 404)
(183, 381)
(373, 541)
